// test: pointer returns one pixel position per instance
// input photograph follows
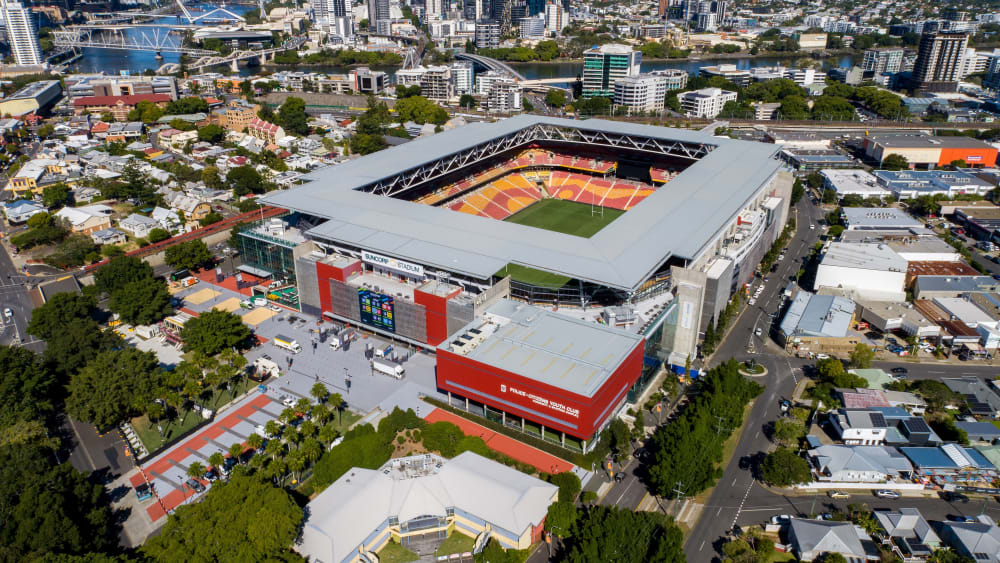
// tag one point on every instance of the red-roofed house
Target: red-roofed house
(265, 131)
(117, 106)
(99, 129)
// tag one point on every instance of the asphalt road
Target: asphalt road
(14, 296)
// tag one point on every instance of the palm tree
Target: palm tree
(296, 463)
(312, 449)
(338, 403)
(308, 429)
(288, 415)
(235, 451)
(217, 460)
(328, 434)
(302, 405)
(319, 392)
(255, 441)
(190, 391)
(272, 429)
(293, 436)
(274, 449)
(196, 470)
(257, 462)
(321, 413)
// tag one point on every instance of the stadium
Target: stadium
(639, 228)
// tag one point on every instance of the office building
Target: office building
(500, 12)
(883, 61)
(535, 7)
(22, 35)
(676, 79)
(35, 97)
(487, 34)
(939, 61)
(379, 17)
(533, 27)
(641, 93)
(992, 80)
(473, 10)
(433, 9)
(556, 18)
(707, 102)
(605, 64)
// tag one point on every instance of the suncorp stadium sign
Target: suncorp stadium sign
(392, 263)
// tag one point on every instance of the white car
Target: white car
(781, 519)
(8, 313)
(781, 257)
(886, 493)
(274, 308)
(752, 301)
(812, 227)
(757, 332)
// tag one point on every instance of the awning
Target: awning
(260, 273)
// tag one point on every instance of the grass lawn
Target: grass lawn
(564, 216)
(395, 553)
(996, 423)
(347, 418)
(150, 436)
(532, 276)
(457, 542)
(777, 556)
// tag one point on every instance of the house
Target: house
(109, 236)
(21, 210)
(979, 431)
(168, 219)
(858, 426)
(88, 219)
(858, 464)
(193, 208)
(981, 399)
(138, 225)
(265, 131)
(978, 540)
(906, 533)
(176, 138)
(812, 538)
(950, 464)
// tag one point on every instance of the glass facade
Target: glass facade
(268, 253)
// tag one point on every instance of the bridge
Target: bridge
(233, 59)
(492, 64)
(156, 38)
(544, 81)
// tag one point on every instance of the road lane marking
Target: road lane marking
(757, 435)
(742, 502)
(718, 511)
(702, 545)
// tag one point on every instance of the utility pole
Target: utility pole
(718, 425)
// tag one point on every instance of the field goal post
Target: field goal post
(596, 210)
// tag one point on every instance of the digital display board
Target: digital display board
(376, 310)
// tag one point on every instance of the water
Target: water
(111, 61)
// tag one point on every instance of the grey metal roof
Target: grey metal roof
(554, 349)
(678, 219)
(818, 315)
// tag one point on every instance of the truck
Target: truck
(389, 368)
(341, 339)
(264, 368)
(288, 343)
(383, 351)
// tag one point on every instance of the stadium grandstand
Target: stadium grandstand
(643, 228)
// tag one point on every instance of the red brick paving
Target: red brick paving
(229, 282)
(510, 447)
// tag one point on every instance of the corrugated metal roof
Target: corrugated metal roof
(678, 219)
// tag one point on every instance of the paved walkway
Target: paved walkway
(544, 462)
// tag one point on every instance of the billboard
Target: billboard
(376, 310)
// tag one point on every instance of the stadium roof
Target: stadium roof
(550, 348)
(678, 219)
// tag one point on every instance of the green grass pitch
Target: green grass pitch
(564, 216)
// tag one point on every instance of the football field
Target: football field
(569, 217)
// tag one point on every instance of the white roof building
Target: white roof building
(359, 509)
(871, 271)
(853, 181)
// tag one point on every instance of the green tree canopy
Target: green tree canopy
(862, 356)
(190, 255)
(190, 104)
(245, 519)
(121, 271)
(142, 302)
(115, 385)
(895, 162)
(784, 468)
(57, 195)
(633, 537)
(157, 235)
(26, 386)
(555, 98)
(292, 116)
(52, 317)
(211, 133)
(214, 331)
(245, 180)
(420, 110)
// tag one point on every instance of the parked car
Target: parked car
(757, 332)
(839, 495)
(143, 492)
(745, 462)
(899, 370)
(886, 493)
(958, 518)
(952, 496)
(195, 485)
(781, 519)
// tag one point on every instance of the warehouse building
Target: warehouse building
(870, 271)
(923, 152)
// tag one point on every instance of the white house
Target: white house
(138, 225)
(858, 464)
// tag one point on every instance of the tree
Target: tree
(26, 387)
(145, 111)
(895, 162)
(245, 519)
(50, 319)
(561, 518)
(292, 116)
(245, 180)
(420, 110)
(337, 402)
(794, 107)
(195, 470)
(114, 386)
(319, 392)
(784, 468)
(862, 356)
(797, 191)
(210, 176)
(467, 101)
(142, 302)
(121, 271)
(157, 235)
(210, 218)
(57, 195)
(191, 255)
(788, 431)
(214, 331)
(555, 98)
(632, 536)
(211, 133)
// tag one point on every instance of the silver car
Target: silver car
(886, 493)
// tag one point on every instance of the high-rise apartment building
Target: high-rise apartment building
(22, 34)
(556, 18)
(434, 8)
(604, 64)
(992, 80)
(500, 12)
(883, 61)
(378, 16)
(463, 75)
(939, 61)
(533, 27)
(487, 34)
(473, 10)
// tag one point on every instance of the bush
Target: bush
(157, 235)
(783, 468)
(568, 483)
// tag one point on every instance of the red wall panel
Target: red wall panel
(436, 307)
(526, 397)
(325, 273)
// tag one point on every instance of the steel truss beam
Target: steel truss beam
(407, 179)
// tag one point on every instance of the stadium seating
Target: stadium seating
(660, 175)
(597, 191)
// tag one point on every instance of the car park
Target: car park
(886, 493)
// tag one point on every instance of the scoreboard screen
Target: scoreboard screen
(376, 310)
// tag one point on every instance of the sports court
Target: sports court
(258, 316)
(202, 296)
(569, 217)
(520, 451)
